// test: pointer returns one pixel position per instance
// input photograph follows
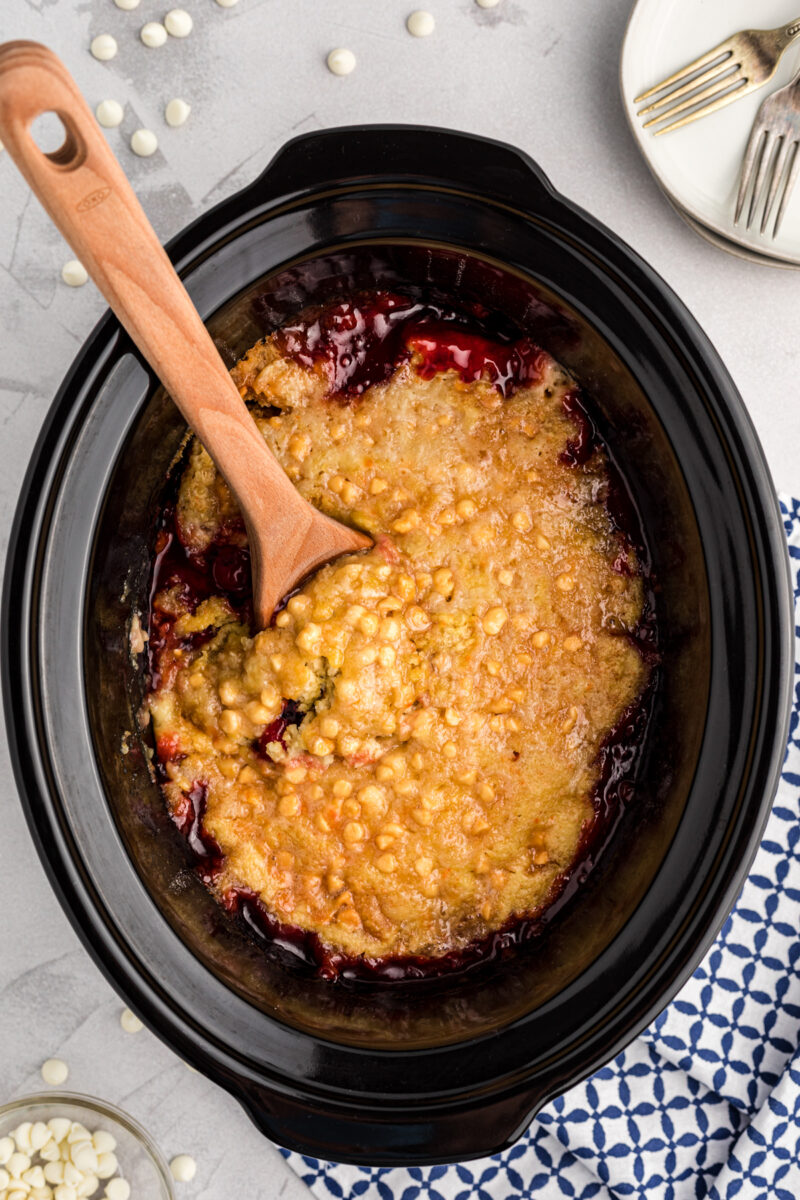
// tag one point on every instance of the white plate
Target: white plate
(698, 166)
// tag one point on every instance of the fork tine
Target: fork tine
(752, 160)
(679, 76)
(707, 94)
(712, 73)
(791, 180)
(776, 174)
(761, 175)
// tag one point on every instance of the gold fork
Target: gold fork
(733, 69)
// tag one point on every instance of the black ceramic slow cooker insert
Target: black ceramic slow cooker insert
(418, 1072)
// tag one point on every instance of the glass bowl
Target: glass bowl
(141, 1163)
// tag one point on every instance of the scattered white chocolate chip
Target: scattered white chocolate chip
(118, 1189)
(178, 23)
(183, 1168)
(153, 34)
(487, 3)
(227, 3)
(129, 1021)
(144, 143)
(176, 112)
(341, 61)
(74, 274)
(104, 47)
(420, 23)
(109, 113)
(55, 1070)
(127, 5)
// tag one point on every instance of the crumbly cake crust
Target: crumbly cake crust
(450, 689)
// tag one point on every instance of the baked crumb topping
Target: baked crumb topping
(406, 760)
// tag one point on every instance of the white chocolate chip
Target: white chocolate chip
(18, 1163)
(118, 1189)
(109, 113)
(129, 1021)
(74, 274)
(59, 1127)
(127, 5)
(22, 1136)
(6, 1150)
(176, 112)
(178, 23)
(144, 143)
(84, 1157)
(420, 23)
(104, 1142)
(341, 61)
(104, 47)
(227, 3)
(5, 1179)
(153, 34)
(34, 1177)
(40, 1135)
(487, 3)
(106, 1165)
(65, 1191)
(183, 1168)
(55, 1070)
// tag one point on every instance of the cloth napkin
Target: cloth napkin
(705, 1103)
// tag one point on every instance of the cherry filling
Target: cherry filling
(359, 343)
(276, 730)
(362, 342)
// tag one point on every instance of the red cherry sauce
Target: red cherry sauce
(363, 341)
(358, 343)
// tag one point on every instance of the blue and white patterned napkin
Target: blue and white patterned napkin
(706, 1103)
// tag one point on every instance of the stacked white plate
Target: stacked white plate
(698, 166)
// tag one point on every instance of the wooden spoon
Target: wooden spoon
(87, 195)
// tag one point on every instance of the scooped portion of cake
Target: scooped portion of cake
(407, 759)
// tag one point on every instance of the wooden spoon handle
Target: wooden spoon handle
(88, 197)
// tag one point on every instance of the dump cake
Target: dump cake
(408, 759)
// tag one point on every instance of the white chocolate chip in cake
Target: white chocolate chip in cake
(341, 61)
(109, 113)
(103, 47)
(420, 23)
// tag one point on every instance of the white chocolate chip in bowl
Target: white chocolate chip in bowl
(341, 61)
(103, 47)
(63, 1146)
(176, 112)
